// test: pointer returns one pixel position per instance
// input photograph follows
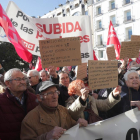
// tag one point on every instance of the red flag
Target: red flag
(94, 56)
(113, 39)
(38, 66)
(14, 37)
(138, 59)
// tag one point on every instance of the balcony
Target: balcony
(127, 38)
(99, 13)
(115, 23)
(127, 2)
(99, 28)
(99, 44)
(128, 19)
(113, 7)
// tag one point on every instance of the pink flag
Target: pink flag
(113, 39)
(14, 37)
(38, 66)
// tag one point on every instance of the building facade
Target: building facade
(124, 15)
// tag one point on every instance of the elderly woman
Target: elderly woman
(130, 91)
(80, 101)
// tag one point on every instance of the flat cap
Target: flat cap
(46, 84)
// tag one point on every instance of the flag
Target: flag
(138, 59)
(113, 39)
(38, 66)
(94, 56)
(14, 37)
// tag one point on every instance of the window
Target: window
(100, 41)
(127, 1)
(99, 10)
(101, 54)
(112, 4)
(128, 15)
(128, 33)
(86, 12)
(100, 24)
(76, 14)
(113, 19)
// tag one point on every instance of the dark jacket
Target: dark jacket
(12, 114)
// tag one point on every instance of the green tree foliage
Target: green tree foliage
(9, 58)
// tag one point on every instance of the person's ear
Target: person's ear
(39, 97)
(7, 83)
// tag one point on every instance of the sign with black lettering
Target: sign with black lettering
(60, 52)
(102, 74)
(122, 127)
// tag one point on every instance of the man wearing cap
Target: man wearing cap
(48, 120)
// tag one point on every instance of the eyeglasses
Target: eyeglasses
(19, 79)
(51, 93)
(31, 77)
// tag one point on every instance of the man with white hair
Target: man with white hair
(44, 75)
(15, 103)
(34, 78)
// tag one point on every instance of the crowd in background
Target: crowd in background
(43, 105)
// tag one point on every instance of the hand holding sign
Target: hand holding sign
(52, 71)
(117, 91)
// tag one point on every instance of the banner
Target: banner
(33, 29)
(122, 127)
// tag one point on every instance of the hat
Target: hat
(46, 84)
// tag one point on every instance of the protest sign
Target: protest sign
(135, 37)
(130, 49)
(102, 74)
(60, 52)
(111, 53)
(32, 30)
(122, 127)
(82, 71)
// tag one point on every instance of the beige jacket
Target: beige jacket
(76, 109)
(37, 123)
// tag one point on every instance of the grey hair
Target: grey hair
(43, 71)
(128, 72)
(8, 74)
(65, 67)
(34, 72)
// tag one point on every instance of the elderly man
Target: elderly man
(48, 120)
(15, 103)
(34, 78)
(44, 75)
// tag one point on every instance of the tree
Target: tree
(9, 58)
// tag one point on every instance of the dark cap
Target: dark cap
(46, 84)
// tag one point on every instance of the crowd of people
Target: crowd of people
(43, 105)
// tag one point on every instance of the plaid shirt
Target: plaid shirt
(20, 101)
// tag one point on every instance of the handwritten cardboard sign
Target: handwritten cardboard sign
(130, 49)
(82, 71)
(111, 53)
(102, 74)
(135, 37)
(60, 52)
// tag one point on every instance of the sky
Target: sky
(34, 7)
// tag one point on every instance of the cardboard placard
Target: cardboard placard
(0, 66)
(82, 71)
(60, 52)
(111, 53)
(135, 37)
(102, 74)
(129, 49)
